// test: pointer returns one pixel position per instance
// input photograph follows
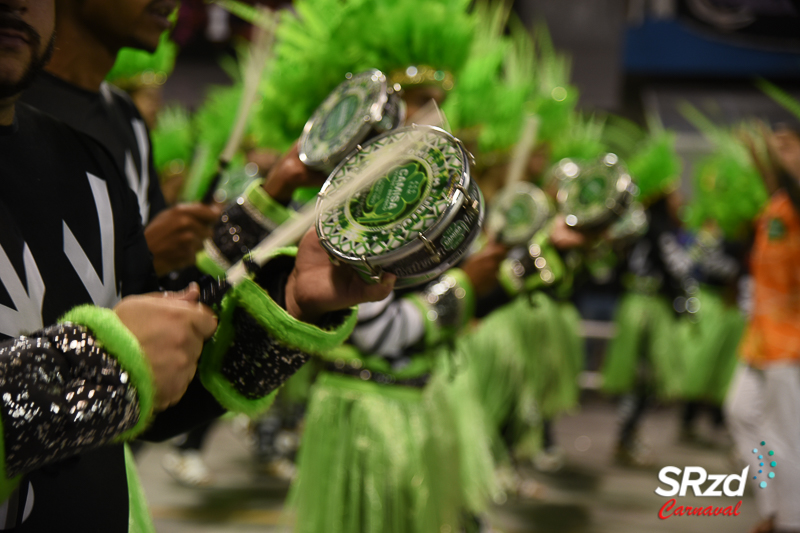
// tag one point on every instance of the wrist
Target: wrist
(279, 190)
(293, 306)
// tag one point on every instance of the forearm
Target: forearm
(69, 388)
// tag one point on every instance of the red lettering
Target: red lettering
(717, 511)
(728, 511)
(736, 509)
(678, 511)
(708, 511)
(687, 510)
(666, 507)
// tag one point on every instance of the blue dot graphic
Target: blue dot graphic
(760, 464)
(755, 450)
(755, 477)
(760, 456)
(771, 475)
(773, 464)
(763, 484)
(760, 471)
(771, 452)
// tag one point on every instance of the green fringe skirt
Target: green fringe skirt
(381, 458)
(525, 359)
(711, 350)
(647, 329)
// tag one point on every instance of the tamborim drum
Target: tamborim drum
(416, 221)
(593, 195)
(361, 107)
(517, 212)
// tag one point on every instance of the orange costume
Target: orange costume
(773, 333)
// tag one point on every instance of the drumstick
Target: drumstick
(516, 170)
(522, 152)
(253, 74)
(293, 230)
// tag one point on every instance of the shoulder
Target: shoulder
(61, 139)
(119, 99)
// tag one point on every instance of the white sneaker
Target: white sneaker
(187, 468)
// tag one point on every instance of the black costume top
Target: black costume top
(110, 118)
(72, 235)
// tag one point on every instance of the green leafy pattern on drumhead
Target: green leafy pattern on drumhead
(410, 199)
(339, 119)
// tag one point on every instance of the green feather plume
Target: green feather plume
(213, 123)
(655, 166)
(727, 187)
(173, 138)
(582, 138)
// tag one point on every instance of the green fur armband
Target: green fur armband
(267, 206)
(7, 485)
(123, 345)
(227, 368)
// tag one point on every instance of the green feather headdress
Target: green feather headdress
(326, 39)
(655, 166)
(582, 138)
(555, 98)
(727, 187)
(487, 102)
(213, 122)
(136, 68)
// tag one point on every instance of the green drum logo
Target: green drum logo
(593, 191)
(339, 117)
(393, 197)
(518, 213)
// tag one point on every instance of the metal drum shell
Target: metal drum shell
(496, 220)
(416, 261)
(386, 113)
(615, 204)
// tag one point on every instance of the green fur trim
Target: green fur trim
(123, 345)
(7, 486)
(139, 519)
(266, 205)
(275, 321)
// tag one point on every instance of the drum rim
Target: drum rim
(377, 106)
(621, 200)
(539, 197)
(456, 203)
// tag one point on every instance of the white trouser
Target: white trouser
(764, 405)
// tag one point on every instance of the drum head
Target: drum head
(419, 196)
(517, 213)
(593, 195)
(344, 119)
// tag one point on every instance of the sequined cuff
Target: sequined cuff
(447, 305)
(258, 345)
(245, 223)
(63, 393)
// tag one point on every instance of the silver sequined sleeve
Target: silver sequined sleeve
(61, 394)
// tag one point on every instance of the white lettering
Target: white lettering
(665, 479)
(733, 477)
(694, 483)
